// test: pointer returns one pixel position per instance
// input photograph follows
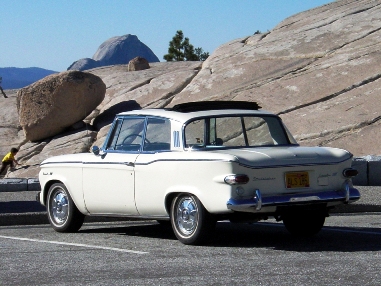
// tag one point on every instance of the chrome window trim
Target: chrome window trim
(176, 139)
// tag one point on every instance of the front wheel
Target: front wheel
(304, 224)
(63, 215)
(190, 221)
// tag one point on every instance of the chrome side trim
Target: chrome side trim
(258, 202)
(90, 163)
(109, 163)
(62, 162)
(140, 217)
(142, 164)
(184, 160)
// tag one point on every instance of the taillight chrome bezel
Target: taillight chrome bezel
(237, 179)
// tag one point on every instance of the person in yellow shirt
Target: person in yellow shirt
(9, 159)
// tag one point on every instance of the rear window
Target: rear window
(236, 131)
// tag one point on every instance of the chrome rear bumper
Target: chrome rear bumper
(256, 203)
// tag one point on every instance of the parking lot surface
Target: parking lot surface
(346, 252)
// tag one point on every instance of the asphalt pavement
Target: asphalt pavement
(21, 207)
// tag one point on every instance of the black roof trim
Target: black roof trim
(214, 105)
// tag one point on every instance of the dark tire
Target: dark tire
(191, 222)
(63, 215)
(304, 224)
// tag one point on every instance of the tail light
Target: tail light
(239, 179)
(349, 173)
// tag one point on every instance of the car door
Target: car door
(153, 168)
(109, 178)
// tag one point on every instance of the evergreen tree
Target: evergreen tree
(202, 56)
(180, 49)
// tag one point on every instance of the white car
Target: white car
(196, 164)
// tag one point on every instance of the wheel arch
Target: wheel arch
(214, 201)
(174, 191)
(47, 186)
(44, 195)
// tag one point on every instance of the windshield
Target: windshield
(236, 131)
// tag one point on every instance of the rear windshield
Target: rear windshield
(236, 131)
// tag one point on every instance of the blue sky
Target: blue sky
(52, 34)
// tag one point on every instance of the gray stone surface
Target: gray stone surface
(116, 51)
(84, 64)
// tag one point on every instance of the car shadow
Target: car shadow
(275, 236)
(263, 235)
(150, 229)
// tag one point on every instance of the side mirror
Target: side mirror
(95, 150)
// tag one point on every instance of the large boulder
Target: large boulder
(47, 107)
(116, 51)
(11, 134)
(138, 64)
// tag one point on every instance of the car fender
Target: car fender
(75, 193)
(207, 198)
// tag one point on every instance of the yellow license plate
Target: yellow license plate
(297, 180)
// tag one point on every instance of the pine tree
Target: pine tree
(180, 49)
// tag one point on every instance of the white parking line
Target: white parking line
(74, 244)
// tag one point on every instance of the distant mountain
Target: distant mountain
(116, 51)
(13, 78)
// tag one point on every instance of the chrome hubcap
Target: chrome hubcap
(186, 215)
(59, 207)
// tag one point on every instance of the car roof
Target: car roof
(185, 116)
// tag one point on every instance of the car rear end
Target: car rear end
(289, 177)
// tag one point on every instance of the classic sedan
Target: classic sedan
(195, 164)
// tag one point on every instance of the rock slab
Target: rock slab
(47, 107)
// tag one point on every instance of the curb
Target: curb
(31, 218)
(369, 168)
(19, 184)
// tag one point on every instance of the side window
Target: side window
(158, 135)
(128, 136)
(194, 133)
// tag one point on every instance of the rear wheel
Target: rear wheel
(191, 222)
(63, 215)
(304, 224)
